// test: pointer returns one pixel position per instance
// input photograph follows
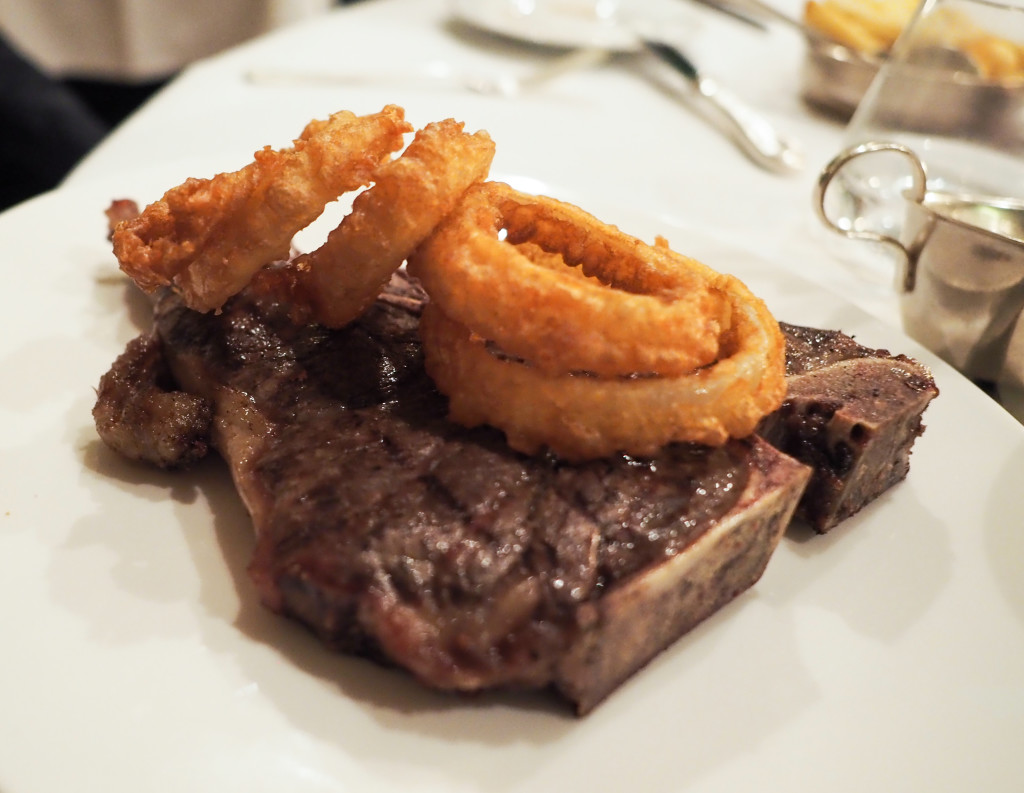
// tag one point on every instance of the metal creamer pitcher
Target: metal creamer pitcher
(962, 281)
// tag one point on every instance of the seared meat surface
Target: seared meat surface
(140, 412)
(852, 414)
(396, 534)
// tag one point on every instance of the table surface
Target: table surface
(611, 131)
(885, 655)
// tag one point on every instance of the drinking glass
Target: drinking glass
(933, 170)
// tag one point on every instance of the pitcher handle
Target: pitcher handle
(916, 193)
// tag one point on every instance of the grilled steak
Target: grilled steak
(852, 414)
(395, 534)
(141, 412)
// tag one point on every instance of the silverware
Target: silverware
(628, 33)
(439, 75)
(752, 132)
(759, 10)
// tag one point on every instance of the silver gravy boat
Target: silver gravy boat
(961, 284)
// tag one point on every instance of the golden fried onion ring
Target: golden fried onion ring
(667, 314)
(582, 415)
(409, 197)
(208, 237)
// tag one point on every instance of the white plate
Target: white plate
(887, 655)
(603, 24)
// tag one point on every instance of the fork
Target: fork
(441, 75)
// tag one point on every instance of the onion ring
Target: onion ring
(208, 237)
(654, 389)
(664, 312)
(409, 197)
(581, 417)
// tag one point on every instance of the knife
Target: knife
(735, 13)
(751, 131)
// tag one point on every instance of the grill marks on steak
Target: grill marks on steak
(472, 567)
(394, 533)
(852, 414)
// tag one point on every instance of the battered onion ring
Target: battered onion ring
(207, 237)
(650, 309)
(409, 197)
(646, 348)
(581, 417)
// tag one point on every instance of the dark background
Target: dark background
(48, 123)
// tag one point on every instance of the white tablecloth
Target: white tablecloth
(883, 656)
(607, 133)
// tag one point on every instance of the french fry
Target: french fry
(872, 26)
(842, 27)
(996, 59)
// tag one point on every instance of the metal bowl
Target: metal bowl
(835, 78)
(925, 97)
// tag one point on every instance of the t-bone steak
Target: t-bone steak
(852, 414)
(395, 534)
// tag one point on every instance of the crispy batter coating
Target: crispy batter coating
(648, 348)
(645, 309)
(560, 330)
(581, 417)
(207, 237)
(409, 197)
